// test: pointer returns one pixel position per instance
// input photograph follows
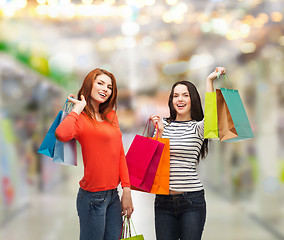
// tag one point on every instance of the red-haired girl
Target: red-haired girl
(94, 124)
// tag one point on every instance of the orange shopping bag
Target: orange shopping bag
(162, 177)
(226, 125)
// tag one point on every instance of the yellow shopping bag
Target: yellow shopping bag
(210, 116)
(126, 230)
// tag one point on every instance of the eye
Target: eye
(100, 83)
(110, 87)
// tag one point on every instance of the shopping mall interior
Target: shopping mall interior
(47, 47)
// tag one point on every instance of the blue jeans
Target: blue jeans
(99, 215)
(180, 216)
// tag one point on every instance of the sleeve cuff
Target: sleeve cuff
(74, 114)
(125, 185)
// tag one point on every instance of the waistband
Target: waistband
(105, 192)
(180, 196)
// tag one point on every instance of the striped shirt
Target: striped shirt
(186, 139)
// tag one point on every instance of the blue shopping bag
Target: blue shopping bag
(238, 114)
(65, 152)
(48, 143)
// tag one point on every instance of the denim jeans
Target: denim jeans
(99, 215)
(180, 216)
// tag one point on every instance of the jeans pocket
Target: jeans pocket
(198, 200)
(158, 201)
(98, 198)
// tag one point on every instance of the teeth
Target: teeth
(181, 105)
(104, 95)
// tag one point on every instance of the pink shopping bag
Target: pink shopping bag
(142, 159)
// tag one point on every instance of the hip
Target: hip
(182, 200)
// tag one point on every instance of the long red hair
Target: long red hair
(86, 90)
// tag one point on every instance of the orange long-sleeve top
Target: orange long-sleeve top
(102, 150)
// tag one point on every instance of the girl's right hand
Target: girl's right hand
(79, 105)
(157, 119)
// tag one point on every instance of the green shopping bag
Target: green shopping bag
(210, 116)
(126, 230)
(238, 114)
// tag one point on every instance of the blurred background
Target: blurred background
(47, 47)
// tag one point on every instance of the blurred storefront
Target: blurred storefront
(48, 46)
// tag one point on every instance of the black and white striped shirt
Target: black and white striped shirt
(186, 139)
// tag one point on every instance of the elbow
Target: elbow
(56, 136)
(59, 137)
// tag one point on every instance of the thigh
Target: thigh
(113, 218)
(166, 223)
(192, 219)
(91, 209)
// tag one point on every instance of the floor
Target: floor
(53, 216)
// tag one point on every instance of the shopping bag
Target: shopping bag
(126, 232)
(226, 125)
(162, 177)
(210, 116)
(48, 143)
(142, 160)
(238, 114)
(65, 152)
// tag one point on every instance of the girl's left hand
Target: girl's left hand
(126, 202)
(218, 71)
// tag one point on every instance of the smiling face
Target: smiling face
(102, 89)
(182, 102)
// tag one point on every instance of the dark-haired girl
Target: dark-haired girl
(93, 123)
(182, 214)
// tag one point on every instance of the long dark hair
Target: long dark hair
(86, 90)
(196, 110)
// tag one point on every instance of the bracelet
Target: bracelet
(218, 74)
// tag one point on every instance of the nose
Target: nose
(104, 88)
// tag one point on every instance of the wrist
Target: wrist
(210, 80)
(77, 110)
(126, 189)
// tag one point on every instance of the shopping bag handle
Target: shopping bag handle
(225, 77)
(125, 229)
(68, 106)
(148, 129)
(130, 220)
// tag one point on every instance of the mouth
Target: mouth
(181, 105)
(103, 95)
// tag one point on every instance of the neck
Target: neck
(96, 106)
(186, 117)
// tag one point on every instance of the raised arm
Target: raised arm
(212, 76)
(67, 129)
(79, 105)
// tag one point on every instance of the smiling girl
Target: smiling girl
(182, 214)
(94, 124)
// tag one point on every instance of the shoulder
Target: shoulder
(165, 121)
(112, 117)
(83, 117)
(199, 123)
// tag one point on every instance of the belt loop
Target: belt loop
(185, 195)
(161, 198)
